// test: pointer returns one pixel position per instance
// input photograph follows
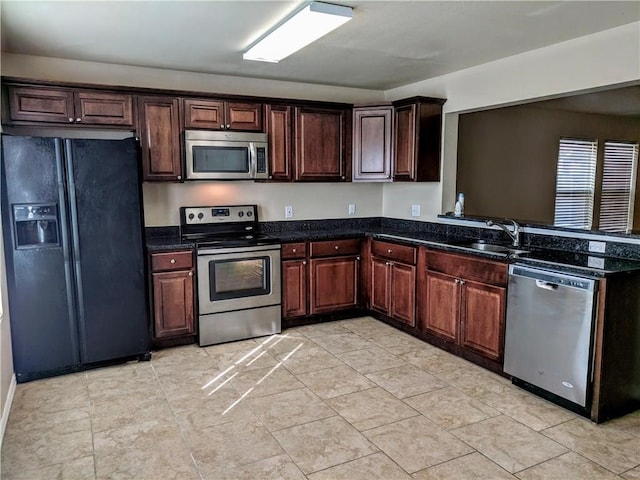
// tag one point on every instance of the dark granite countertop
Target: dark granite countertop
(167, 238)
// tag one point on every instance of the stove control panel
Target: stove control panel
(216, 215)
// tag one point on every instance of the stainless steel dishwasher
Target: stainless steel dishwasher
(549, 331)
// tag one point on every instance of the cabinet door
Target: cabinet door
(403, 293)
(160, 138)
(320, 144)
(294, 288)
(41, 105)
(482, 319)
(333, 284)
(96, 108)
(372, 144)
(442, 307)
(380, 291)
(404, 144)
(244, 116)
(207, 114)
(173, 303)
(280, 138)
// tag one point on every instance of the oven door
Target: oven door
(238, 278)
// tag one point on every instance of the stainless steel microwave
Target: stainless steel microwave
(226, 155)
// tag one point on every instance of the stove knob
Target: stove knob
(249, 213)
(200, 216)
(241, 214)
(191, 216)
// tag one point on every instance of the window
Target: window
(575, 183)
(618, 186)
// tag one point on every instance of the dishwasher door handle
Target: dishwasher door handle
(546, 285)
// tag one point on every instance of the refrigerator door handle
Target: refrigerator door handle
(64, 234)
(75, 242)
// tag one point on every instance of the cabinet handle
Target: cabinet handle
(343, 177)
(293, 250)
(228, 127)
(462, 282)
(78, 120)
(179, 177)
(457, 280)
(270, 177)
(304, 262)
(191, 274)
(358, 258)
(70, 120)
(337, 247)
(173, 260)
(389, 251)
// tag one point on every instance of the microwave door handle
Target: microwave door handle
(253, 161)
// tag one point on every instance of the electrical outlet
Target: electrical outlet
(597, 247)
(415, 210)
(288, 211)
(352, 209)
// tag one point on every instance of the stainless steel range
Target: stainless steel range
(239, 292)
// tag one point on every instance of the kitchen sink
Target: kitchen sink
(493, 248)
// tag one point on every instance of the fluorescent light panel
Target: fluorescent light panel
(309, 24)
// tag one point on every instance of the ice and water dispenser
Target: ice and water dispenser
(36, 225)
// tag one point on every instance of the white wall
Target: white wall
(309, 200)
(7, 380)
(611, 57)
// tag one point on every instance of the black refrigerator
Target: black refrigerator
(73, 238)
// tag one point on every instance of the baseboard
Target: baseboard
(7, 408)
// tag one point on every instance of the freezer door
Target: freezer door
(106, 219)
(39, 277)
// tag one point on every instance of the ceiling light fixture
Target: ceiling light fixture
(307, 25)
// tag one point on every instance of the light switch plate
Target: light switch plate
(415, 210)
(352, 209)
(597, 247)
(288, 211)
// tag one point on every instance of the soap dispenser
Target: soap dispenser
(459, 208)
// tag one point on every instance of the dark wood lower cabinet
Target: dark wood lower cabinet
(172, 279)
(393, 287)
(294, 288)
(333, 284)
(463, 303)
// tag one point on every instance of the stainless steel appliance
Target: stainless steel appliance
(226, 155)
(549, 331)
(72, 227)
(239, 291)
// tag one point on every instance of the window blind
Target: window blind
(618, 186)
(575, 183)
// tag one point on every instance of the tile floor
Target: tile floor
(354, 399)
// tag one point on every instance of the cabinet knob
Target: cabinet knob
(173, 260)
(70, 120)
(270, 177)
(228, 127)
(179, 177)
(358, 258)
(304, 262)
(387, 263)
(389, 251)
(293, 250)
(78, 120)
(343, 177)
(337, 247)
(191, 274)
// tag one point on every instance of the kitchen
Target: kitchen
(500, 85)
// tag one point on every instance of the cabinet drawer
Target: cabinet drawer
(468, 267)
(393, 251)
(335, 247)
(294, 250)
(171, 261)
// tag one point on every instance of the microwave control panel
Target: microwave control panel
(216, 215)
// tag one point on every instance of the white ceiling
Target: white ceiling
(387, 44)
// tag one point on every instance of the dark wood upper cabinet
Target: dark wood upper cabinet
(222, 115)
(417, 139)
(279, 127)
(160, 138)
(320, 144)
(82, 107)
(372, 128)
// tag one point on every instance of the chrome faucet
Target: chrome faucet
(514, 236)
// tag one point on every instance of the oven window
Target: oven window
(245, 277)
(220, 159)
